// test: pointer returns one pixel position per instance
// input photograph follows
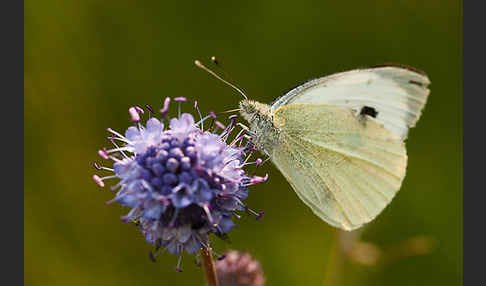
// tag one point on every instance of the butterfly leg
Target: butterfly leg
(246, 128)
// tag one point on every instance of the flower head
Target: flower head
(239, 269)
(182, 183)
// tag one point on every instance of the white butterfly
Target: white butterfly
(339, 140)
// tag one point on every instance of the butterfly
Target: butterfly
(339, 139)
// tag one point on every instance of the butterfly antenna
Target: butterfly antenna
(222, 70)
(200, 65)
(229, 111)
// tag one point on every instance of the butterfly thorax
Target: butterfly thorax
(264, 133)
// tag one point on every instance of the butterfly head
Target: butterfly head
(247, 109)
(264, 134)
(252, 110)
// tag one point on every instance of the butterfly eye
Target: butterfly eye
(247, 107)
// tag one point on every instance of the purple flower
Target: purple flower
(239, 269)
(181, 183)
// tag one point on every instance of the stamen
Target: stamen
(115, 159)
(232, 117)
(202, 120)
(227, 132)
(150, 108)
(125, 219)
(248, 141)
(103, 154)
(178, 267)
(118, 185)
(179, 100)
(257, 179)
(158, 250)
(258, 163)
(201, 242)
(178, 188)
(120, 137)
(260, 215)
(238, 138)
(200, 116)
(108, 177)
(250, 211)
(208, 213)
(98, 180)
(119, 196)
(166, 107)
(220, 125)
(139, 109)
(146, 186)
(96, 166)
(247, 158)
(228, 178)
(113, 138)
(250, 163)
(211, 125)
(212, 114)
(151, 256)
(120, 150)
(228, 162)
(134, 116)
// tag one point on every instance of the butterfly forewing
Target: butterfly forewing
(344, 167)
(397, 94)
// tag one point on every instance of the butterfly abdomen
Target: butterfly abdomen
(265, 134)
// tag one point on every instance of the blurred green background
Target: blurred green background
(87, 61)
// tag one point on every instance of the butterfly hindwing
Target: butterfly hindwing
(345, 169)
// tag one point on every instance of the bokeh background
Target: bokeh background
(87, 61)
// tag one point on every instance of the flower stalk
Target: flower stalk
(209, 266)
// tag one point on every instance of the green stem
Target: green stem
(342, 243)
(334, 265)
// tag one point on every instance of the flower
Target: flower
(239, 269)
(181, 183)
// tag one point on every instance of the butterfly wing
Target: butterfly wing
(398, 94)
(346, 169)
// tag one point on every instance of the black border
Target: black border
(472, 83)
(12, 22)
